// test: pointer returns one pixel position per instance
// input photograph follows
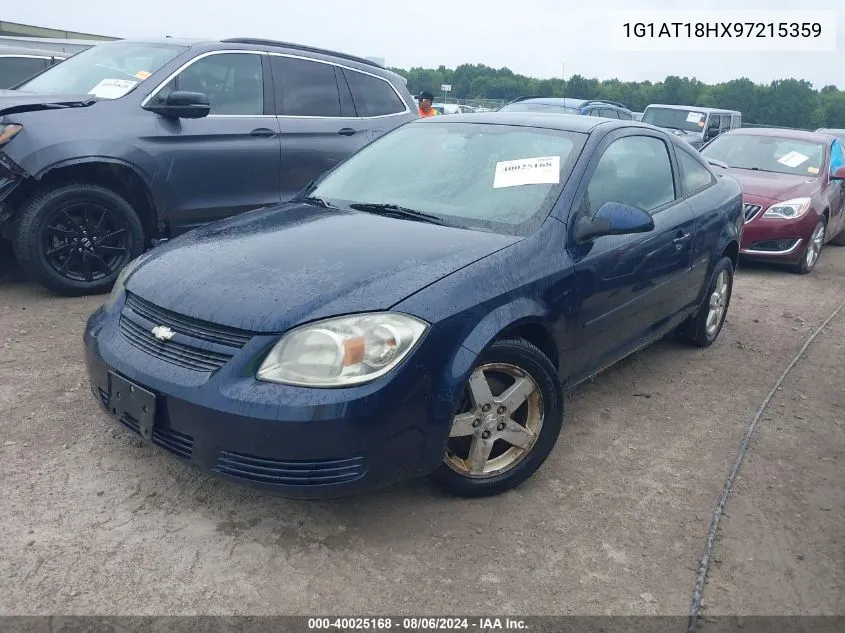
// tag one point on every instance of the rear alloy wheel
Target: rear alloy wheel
(813, 250)
(702, 329)
(75, 239)
(507, 423)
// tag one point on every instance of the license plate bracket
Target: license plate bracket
(127, 398)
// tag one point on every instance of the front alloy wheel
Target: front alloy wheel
(506, 423)
(814, 249)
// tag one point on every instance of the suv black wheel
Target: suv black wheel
(507, 423)
(703, 327)
(74, 239)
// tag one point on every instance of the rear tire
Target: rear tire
(74, 239)
(500, 439)
(703, 328)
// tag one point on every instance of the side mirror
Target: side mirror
(182, 105)
(838, 173)
(613, 218)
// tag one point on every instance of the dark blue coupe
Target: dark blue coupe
(422, 307)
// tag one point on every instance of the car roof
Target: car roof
(831, 130)
(564, 102)
(36, 52)
(691, 107)
(798, 135)
(562, 122)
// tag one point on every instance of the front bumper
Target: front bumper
(770, 239)
(294, 441)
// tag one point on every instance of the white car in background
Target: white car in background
(452, 108)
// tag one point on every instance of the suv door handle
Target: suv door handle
(347, 131)
(263, 132)
(681, 239)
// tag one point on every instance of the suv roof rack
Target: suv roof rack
(613, 103)
(301, 47)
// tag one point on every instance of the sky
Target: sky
(539, 38)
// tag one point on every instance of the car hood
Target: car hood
(268, 270)
(14, 101)
(773, 186)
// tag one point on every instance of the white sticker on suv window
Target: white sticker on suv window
(694, 117)
(793, 159)
(527, 171)
(112, 88)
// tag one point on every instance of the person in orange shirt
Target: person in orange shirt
(425, 98)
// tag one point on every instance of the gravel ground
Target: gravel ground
(95, 522)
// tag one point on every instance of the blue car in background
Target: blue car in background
(561, 105)
(421, 308)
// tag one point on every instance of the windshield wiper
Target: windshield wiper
(315, 200)
(395, 210)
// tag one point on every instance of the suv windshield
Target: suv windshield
(109, 70)
(687, 120)
(767, 153)
(497, 178)
(538, 107)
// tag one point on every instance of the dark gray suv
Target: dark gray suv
(129, 143)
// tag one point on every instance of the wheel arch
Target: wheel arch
(115, 174)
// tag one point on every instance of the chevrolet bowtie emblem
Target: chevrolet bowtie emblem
(162, 332)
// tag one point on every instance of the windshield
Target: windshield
(767, 153)
(539, 107)
(687, 120)
(108, 70)
(498, 178)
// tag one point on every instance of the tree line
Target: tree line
(785, 102)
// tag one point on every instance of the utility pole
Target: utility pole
(563, 76)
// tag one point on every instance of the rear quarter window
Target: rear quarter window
(373, 96)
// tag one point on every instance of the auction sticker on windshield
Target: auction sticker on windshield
(694, 117)
(793, 159)
(112, 88)
(544, 170)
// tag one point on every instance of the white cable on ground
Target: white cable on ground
(704, 565)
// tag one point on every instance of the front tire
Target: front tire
(507, 423)
(74, 239)
(813, 250)
(702, 329)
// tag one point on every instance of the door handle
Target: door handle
(681, 239)
(347, 131)
(263, 132)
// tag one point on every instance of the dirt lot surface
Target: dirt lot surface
(95, 522)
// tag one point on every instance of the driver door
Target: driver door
(629, 286)
(227, 162)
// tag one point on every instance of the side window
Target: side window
(594, 112)
(233, 82)
(373, 96)
(14, 70)
(726, 123)
(694, 175)
(626, 116)
(735, 121)
(608, 113)
(305, 88)
(634, 170)
(715, 122)
(837, 156)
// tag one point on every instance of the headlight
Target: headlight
(789, 210)
(117, 289)
(342, 351)
(8, 132)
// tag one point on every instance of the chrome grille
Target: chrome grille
(751, 211)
